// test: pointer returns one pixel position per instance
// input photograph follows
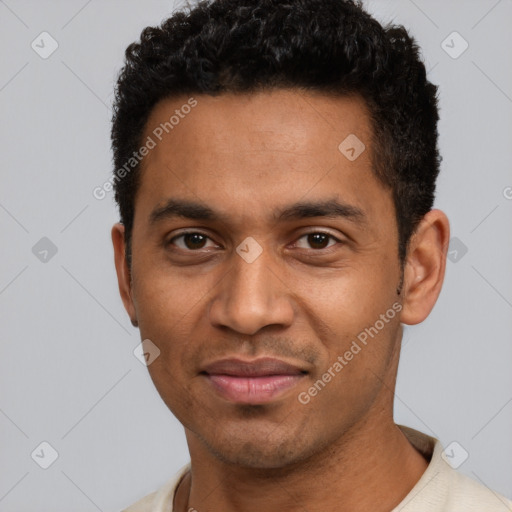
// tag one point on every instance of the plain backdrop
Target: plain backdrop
(68, 374)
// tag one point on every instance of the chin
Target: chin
(251, 455)
(264, 448)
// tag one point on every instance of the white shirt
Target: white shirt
(440, 489)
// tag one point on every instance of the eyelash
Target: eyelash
(329, 235)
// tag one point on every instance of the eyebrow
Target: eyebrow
(332, 208)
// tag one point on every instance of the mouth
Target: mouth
(252, 382)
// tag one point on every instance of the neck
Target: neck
(373, 468)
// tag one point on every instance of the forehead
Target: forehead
(249, 152)
(278, 120)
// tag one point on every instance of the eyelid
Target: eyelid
(322, 231)
(189, 231)
(313, 231)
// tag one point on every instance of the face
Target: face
(257, 239)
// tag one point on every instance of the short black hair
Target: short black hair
(329, 46)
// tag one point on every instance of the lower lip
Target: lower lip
(253, 390)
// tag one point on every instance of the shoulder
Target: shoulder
(472, 496)
(143, 505)
(162, 499)
(443, 488)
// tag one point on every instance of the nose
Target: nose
(251, 296)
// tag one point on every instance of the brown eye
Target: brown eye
(318, 240)
(194, 240)
(190, 241)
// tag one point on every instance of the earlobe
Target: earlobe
(123, 272)
(425, 267)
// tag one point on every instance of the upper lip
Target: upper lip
(265, 366)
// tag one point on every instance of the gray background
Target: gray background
(68, 375)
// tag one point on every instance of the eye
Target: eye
(190, 241)
(318, 240)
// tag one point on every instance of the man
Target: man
(275, 174)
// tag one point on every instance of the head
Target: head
(279, 205)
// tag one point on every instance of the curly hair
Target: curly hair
(330, 46)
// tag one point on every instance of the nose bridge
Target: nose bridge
(251, 295)
(253, 278)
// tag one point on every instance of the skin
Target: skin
(303, 301)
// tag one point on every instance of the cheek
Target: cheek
(357, 362)
(165, 308)
(356, 318)
(350, 299)
(164, 296)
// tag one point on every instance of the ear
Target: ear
(425, 267)
(123, 272)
